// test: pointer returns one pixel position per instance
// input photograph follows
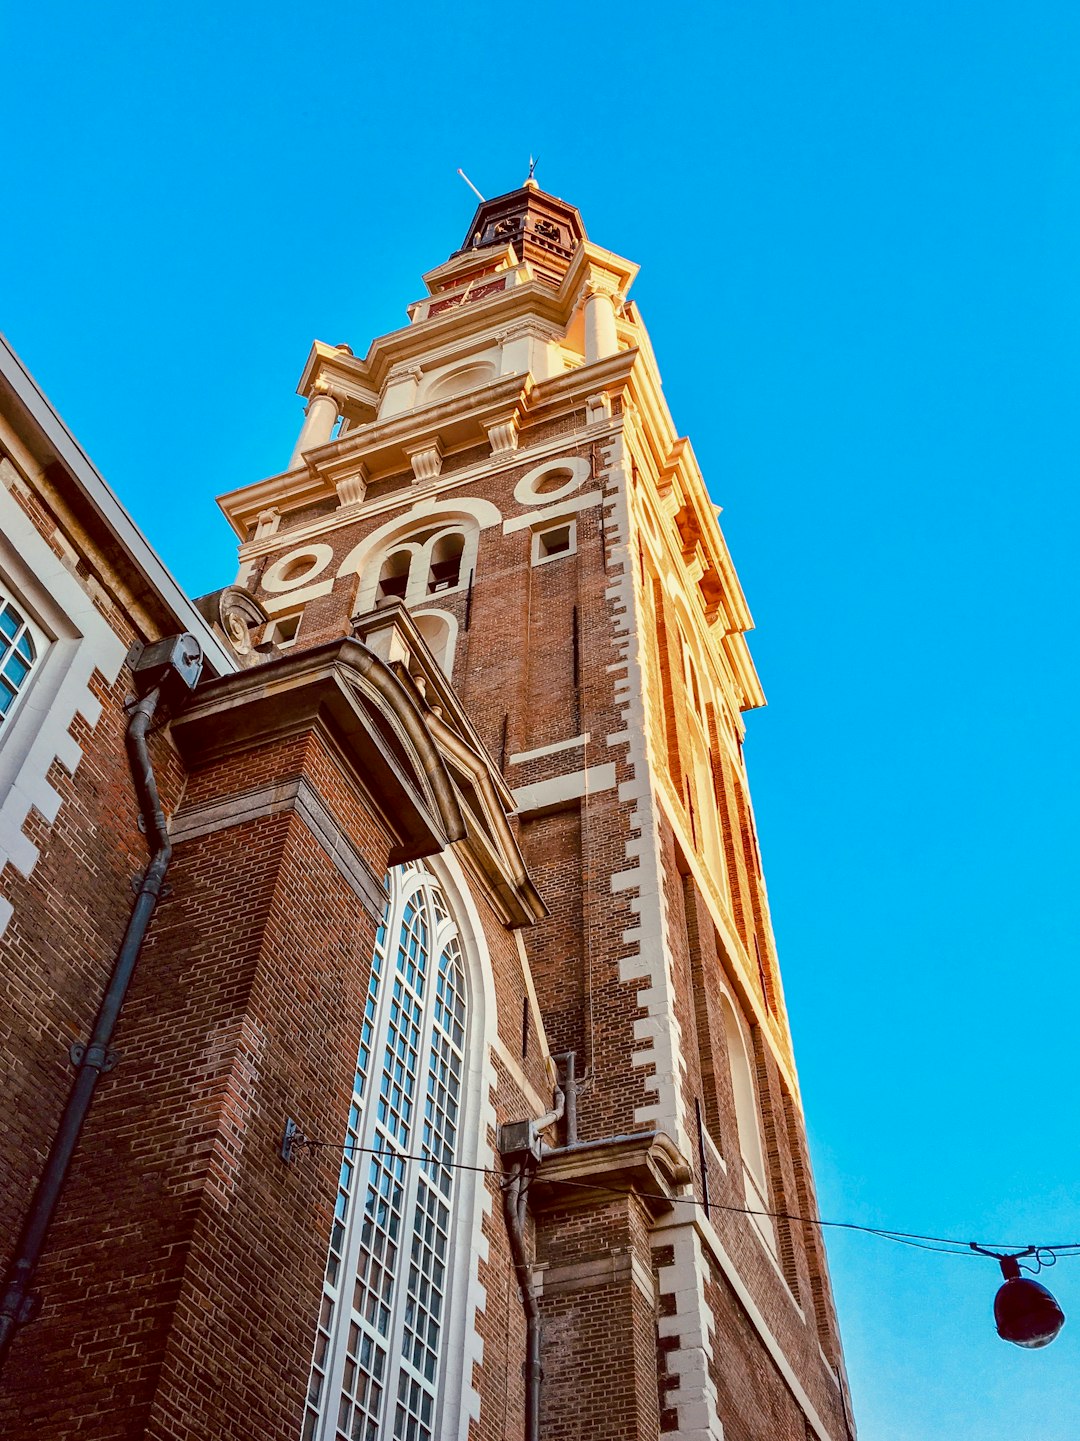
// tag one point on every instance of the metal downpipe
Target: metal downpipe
(17, 1306)
(515, 1194)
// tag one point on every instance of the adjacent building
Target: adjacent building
(455, 1094)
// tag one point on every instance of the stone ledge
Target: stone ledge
(646, 1164)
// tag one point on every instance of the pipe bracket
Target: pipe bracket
(102, 1058)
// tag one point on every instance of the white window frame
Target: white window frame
(39, 643)
(275, 626)
(449, 620)
(748, 1125)
(570, 526)
(339, 1335)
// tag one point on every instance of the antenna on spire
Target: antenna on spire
(530, 181)
(532, 167)
(471, 186)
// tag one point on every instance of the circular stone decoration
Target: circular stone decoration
(552, 480)
(297, 567)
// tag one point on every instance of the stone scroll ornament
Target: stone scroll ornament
(237, 615)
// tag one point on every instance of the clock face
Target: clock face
(467, 297)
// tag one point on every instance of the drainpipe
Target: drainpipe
(515, 1199)
(520, 1147)
(165, 667)
(567, 1063)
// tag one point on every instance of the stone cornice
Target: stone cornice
(489, 849)
(364, 378)
(381, 447)
(648, 1165)
(410, 495)
(371, 721)
(442, 279)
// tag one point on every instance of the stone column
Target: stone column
(600, 336)
(319, 421)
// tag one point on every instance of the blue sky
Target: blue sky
(858, 232)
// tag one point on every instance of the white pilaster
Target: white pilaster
(400, 392)
(319, 421)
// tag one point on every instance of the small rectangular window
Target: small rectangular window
(284, 630)
(554, 542)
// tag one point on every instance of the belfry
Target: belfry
(481, 1117)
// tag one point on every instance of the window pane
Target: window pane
(393, 1217)
(17, 654)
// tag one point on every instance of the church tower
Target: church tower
(497, 489)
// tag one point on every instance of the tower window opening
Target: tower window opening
(553, 480)
(394, 576)
(549, 544)
(421, 563)
(748, 1126)
(445, 570)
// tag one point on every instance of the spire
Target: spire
(543, 229)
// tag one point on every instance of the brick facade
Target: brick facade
(491, 626)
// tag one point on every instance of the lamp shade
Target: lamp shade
(1026, 1313)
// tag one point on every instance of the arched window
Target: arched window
(429, 562)
(18, 653)
(430, 553)
(394, 576)
(707, 823)
(444, 572)
(456, 381)
(748, 1122)
(377, 1368)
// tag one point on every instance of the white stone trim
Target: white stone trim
(459, 1406)
(552, 514)
(80, 642)
(680, 1279)
(296, 598)
(466, 519)
(694, 1325)
(570, 526)
(578, 468)
(273, 577)
(650, 951)
(445, 661)
(481, 513)
(547, 795)
(431, 495)
(519, 757)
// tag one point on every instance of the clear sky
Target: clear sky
(858, 230)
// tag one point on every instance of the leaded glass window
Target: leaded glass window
(377, 1366)
(18, 652)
